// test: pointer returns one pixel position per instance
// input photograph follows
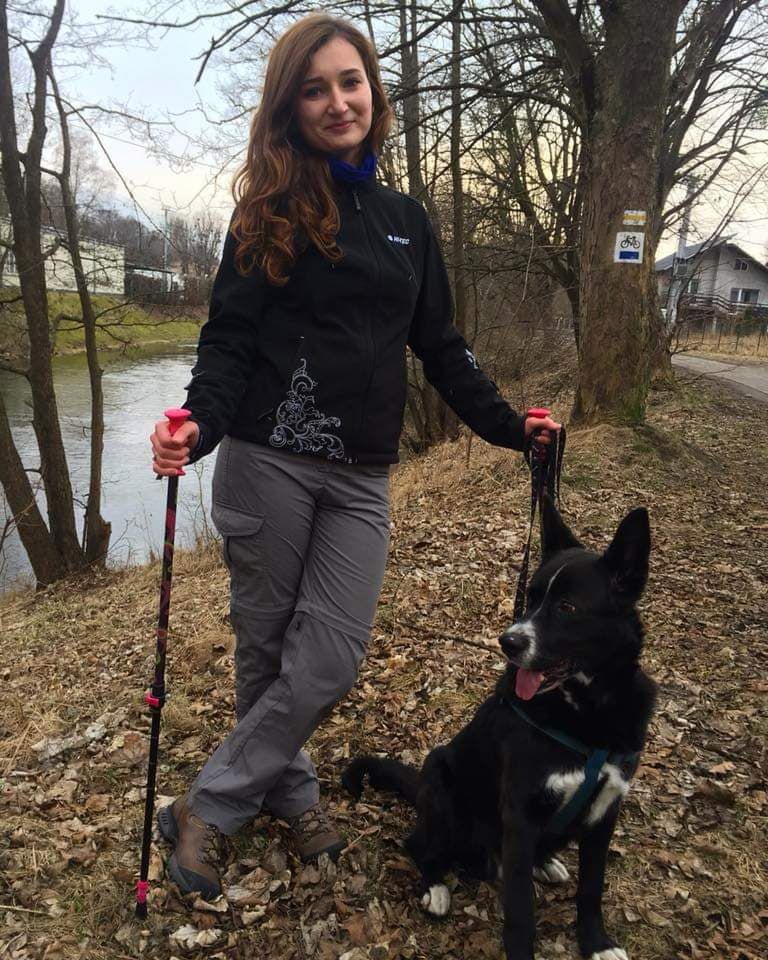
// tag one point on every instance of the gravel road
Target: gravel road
(748, 379)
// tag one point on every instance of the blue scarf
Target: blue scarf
(346, 172)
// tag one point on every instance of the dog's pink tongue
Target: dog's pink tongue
(527, 683)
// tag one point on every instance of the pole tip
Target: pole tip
(142, 887)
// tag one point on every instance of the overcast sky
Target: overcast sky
(157, 81)
(161, 80)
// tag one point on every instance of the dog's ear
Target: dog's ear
(627, 556)
(555, 535)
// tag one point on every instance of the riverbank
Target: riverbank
(138, 384)
(686, 873)
(121, 326)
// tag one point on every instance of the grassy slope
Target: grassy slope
(120, 325)
(686, 875)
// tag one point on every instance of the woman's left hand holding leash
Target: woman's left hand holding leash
(546, 425)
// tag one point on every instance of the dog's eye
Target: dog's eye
(565, 606)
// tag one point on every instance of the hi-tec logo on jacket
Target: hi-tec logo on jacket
(402, 240)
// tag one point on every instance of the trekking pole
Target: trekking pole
(155, 696)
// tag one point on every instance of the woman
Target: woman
(326, 276)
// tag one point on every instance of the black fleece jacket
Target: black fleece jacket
(318, 366)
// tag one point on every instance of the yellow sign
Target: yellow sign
(634, 218)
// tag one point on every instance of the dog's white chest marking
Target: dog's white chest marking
(615, 786)
(614, 953)
(566, 784)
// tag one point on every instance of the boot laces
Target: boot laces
(312, 823)
(211, 846)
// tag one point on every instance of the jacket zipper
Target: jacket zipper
(369, 321)
(281, 397)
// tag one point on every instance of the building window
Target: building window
(10, 262)
(742, 295)
(740, 264)
(693, 287)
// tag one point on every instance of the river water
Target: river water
(136, 391)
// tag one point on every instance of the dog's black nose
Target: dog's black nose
(513, 640)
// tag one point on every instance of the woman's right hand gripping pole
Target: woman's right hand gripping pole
(171, 452)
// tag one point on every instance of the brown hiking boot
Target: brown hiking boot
(312, 834)
(199, 849)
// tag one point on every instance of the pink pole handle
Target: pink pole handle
(538, 412)
(539, 449)
(177, 416)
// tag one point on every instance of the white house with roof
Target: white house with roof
(718, 273)
(103, 264)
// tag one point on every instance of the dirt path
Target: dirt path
(748, 379)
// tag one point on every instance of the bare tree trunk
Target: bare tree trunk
(661, 336)
(432, 418)
(459, 275)
(30, 525)
(572, 292)
(97, 531)
(417, 187)
(451, 421)
(410, 78)
(62, 551)
(617, 300)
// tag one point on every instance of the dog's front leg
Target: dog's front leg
(594, 942)
(518, 852)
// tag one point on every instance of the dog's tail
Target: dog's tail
(383, 774)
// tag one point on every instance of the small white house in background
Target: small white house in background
(103, 264)
(718, 274)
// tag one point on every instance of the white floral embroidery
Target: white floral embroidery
(300, 425)
(471, 358)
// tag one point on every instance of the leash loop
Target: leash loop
(546, 463)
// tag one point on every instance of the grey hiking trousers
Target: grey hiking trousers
(305, 541)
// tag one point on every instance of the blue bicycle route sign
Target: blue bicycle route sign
(629, 247)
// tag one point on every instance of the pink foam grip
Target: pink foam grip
(177, 416)
(537, 412)
(142, 886)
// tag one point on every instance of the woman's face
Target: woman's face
(334, 108)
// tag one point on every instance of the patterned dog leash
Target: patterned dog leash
(546, 463)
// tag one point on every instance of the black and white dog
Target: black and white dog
(550, 755)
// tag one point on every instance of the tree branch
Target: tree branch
(563, 29)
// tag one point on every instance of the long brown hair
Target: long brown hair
(283, 188)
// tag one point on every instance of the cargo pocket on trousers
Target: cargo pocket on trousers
(243, 549)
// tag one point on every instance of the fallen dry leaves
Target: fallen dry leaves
(687, 870)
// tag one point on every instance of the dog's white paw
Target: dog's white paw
(437, 900)
(555, 871)
(615, 953)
